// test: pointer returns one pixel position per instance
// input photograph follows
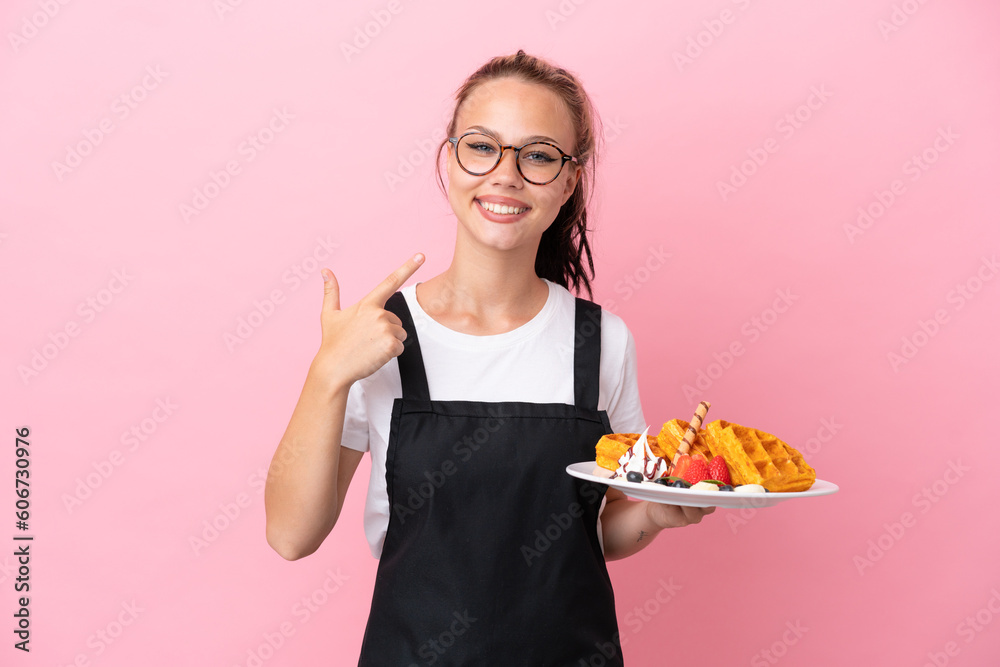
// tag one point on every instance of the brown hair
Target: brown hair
(563, 246)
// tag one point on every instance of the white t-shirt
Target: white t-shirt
(532, 363)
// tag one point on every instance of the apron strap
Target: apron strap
(411, 362)
(587, 354)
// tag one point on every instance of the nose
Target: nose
(505, 173)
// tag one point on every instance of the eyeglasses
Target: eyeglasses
(538, 162)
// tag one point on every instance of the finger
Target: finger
(398, 332)
(394, 281)
(691, 514)
(331, 291)
(666, 516)
(393, 318)
(694, 514)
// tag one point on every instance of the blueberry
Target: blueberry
(680, 484)
(726, 487)
(662, 480)
(634, 476)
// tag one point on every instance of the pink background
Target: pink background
(895, 569)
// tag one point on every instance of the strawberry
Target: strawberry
(681, 467)
(718, 470)
(696, 472)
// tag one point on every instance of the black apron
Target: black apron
(491, 555)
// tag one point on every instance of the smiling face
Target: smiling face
(513, 112)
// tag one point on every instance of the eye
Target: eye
(540, 157)
(481, 147)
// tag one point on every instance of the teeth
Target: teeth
(500, 208)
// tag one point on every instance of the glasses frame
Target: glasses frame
(517, 157)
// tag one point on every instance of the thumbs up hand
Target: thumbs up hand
(360, 339)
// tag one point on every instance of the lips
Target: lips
(499, 208)
(501, 212)
(499, 199)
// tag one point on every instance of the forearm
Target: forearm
(627, 527)
(301, 499)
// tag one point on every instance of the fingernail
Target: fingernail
(418, 258)
(326, 275)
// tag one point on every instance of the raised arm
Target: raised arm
(310, 471)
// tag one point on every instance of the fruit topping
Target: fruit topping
(633, 476)
(726, 487)
(704, 486)
(696, 472)
(674, 482)
(717, 469)
(681, 466)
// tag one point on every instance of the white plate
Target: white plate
(667, 495)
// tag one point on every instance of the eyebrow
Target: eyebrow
(526, 140)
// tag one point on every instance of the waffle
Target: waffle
(613, 446)
(673, 432)
(756, 457)
(753, 456)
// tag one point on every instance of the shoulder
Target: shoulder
(613, 328)
(615, 334)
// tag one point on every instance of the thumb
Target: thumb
(331, 291)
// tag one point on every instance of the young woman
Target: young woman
(473, 390)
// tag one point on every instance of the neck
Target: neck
(485, 287)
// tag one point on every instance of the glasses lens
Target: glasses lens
(540, 163)
(477, 153)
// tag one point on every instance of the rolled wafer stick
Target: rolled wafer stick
(685, 445)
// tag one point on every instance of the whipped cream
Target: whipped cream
(641, 459)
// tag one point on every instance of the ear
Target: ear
(448, 155)
(571, 182)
